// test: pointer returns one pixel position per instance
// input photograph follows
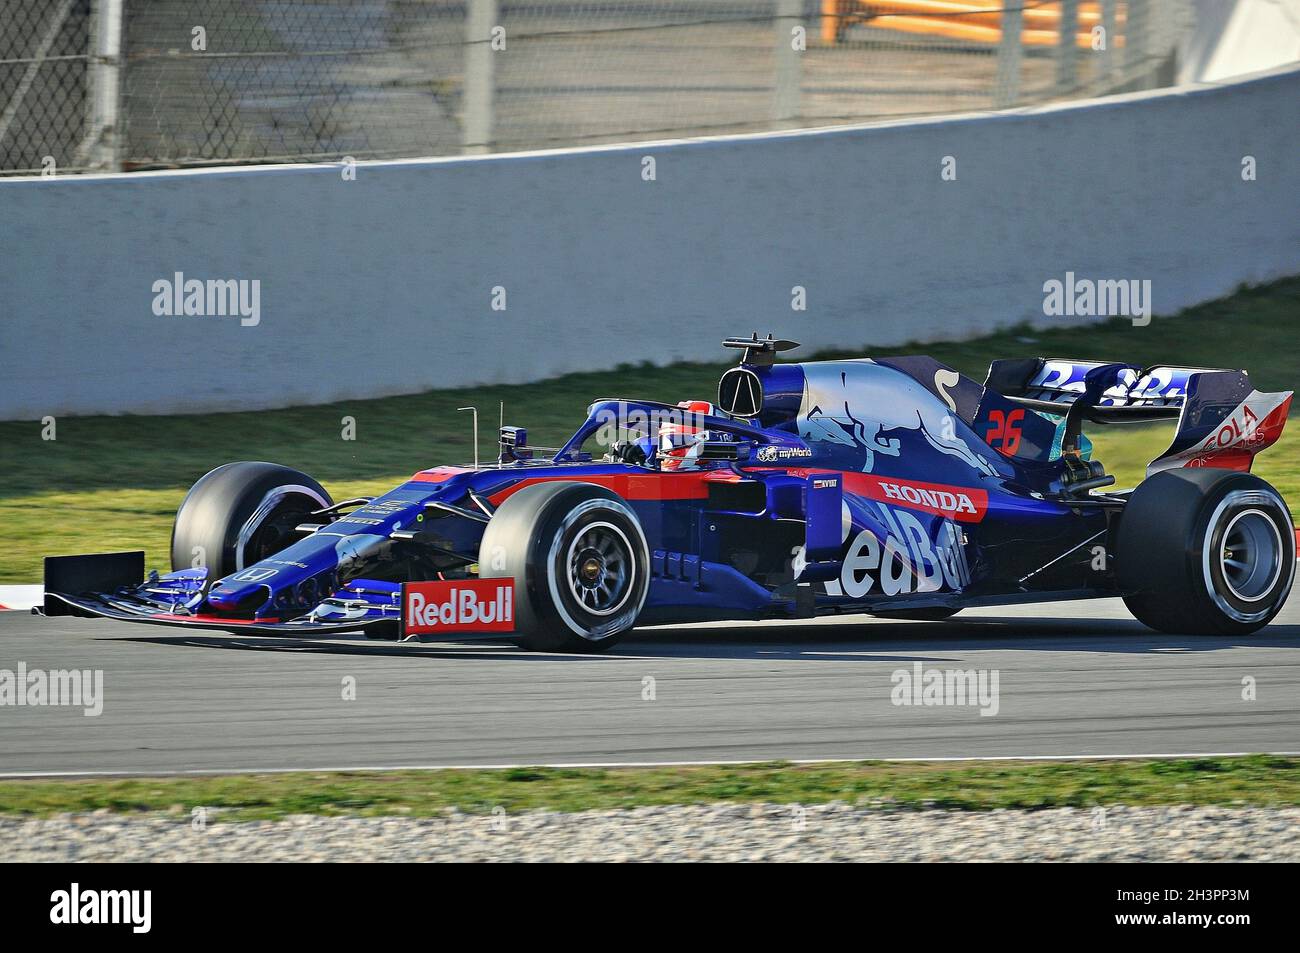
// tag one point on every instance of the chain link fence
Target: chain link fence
(137, 84)
(44, 84)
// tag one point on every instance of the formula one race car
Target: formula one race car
(895, 487)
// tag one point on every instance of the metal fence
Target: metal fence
(44, 85)
(132, 84)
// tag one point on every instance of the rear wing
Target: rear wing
(1124, 392)
(1222, 420)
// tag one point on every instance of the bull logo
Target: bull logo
(853, 411)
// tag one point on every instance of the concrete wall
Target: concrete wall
(383, 285)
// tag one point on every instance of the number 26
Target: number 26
(1005, 432)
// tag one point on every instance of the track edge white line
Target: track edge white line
(217, 772)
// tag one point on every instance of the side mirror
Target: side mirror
(514, 445)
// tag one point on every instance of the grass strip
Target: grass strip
(1255, 780)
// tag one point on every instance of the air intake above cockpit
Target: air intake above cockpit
(740, 392)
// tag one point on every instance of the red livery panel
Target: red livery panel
(965, 504)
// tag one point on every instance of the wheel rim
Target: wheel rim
(249, 549)
(1251, 555)
(601, 570)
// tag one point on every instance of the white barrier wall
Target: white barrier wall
(385, 284)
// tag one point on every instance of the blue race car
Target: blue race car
(895, 487)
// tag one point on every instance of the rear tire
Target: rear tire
(1205, 552)
(579, 561)
(239, 514)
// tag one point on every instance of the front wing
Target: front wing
(113, 586)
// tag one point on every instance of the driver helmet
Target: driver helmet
(680, 444)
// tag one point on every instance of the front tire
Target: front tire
(579, 561)
(239, 514)
(1205, 552)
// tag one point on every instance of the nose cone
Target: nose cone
(232, 595)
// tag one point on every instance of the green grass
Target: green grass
(1259, 780)
(115, 482)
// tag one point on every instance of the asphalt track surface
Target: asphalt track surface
(1074, 678)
